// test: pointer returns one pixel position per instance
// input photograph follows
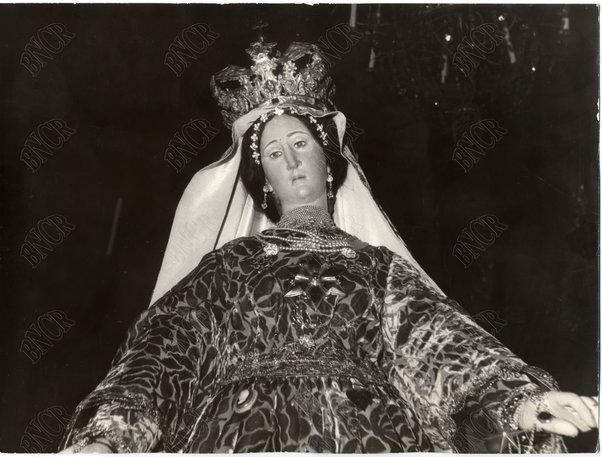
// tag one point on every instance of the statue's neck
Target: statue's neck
(306, 216)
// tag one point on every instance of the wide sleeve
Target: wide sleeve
(165, 362)
(461, 382)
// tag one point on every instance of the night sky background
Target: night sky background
(110, 84)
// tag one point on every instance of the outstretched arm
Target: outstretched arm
(461, 381)
(154, 378)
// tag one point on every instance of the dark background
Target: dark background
(110, 84)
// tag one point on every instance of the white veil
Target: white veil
(216, 208)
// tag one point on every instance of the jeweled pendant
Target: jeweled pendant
(271, 249)
(349, 253)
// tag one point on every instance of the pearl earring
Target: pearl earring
(329, 180)
(266, 189)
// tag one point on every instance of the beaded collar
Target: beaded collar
(307, 218)
(307, 228)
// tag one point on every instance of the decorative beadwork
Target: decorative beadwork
(303, 358)
(307, 218)
(329, 180)
(270, 249)
(308, 228)
(254, 147)
(543, 415)
(266, 190)
(349, 253)
(509, 408)
(80, 444)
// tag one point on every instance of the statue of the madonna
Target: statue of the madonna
(290, 316)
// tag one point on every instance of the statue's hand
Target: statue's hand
(564, 413)
(92, 448)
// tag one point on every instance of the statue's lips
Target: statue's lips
(296, 179)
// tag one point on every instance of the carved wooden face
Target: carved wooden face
(293, 162)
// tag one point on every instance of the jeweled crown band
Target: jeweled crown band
(297, 100)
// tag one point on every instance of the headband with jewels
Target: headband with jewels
(278, 112)
(297, 77)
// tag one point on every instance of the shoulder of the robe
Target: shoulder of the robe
(381, 254)
(406, 277)
(244, 242)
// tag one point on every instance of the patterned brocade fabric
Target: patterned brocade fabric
(444, 365)
(304, 351)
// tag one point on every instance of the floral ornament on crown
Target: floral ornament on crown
(297, 77)
(279, 112)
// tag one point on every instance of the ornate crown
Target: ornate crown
(274, 80)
